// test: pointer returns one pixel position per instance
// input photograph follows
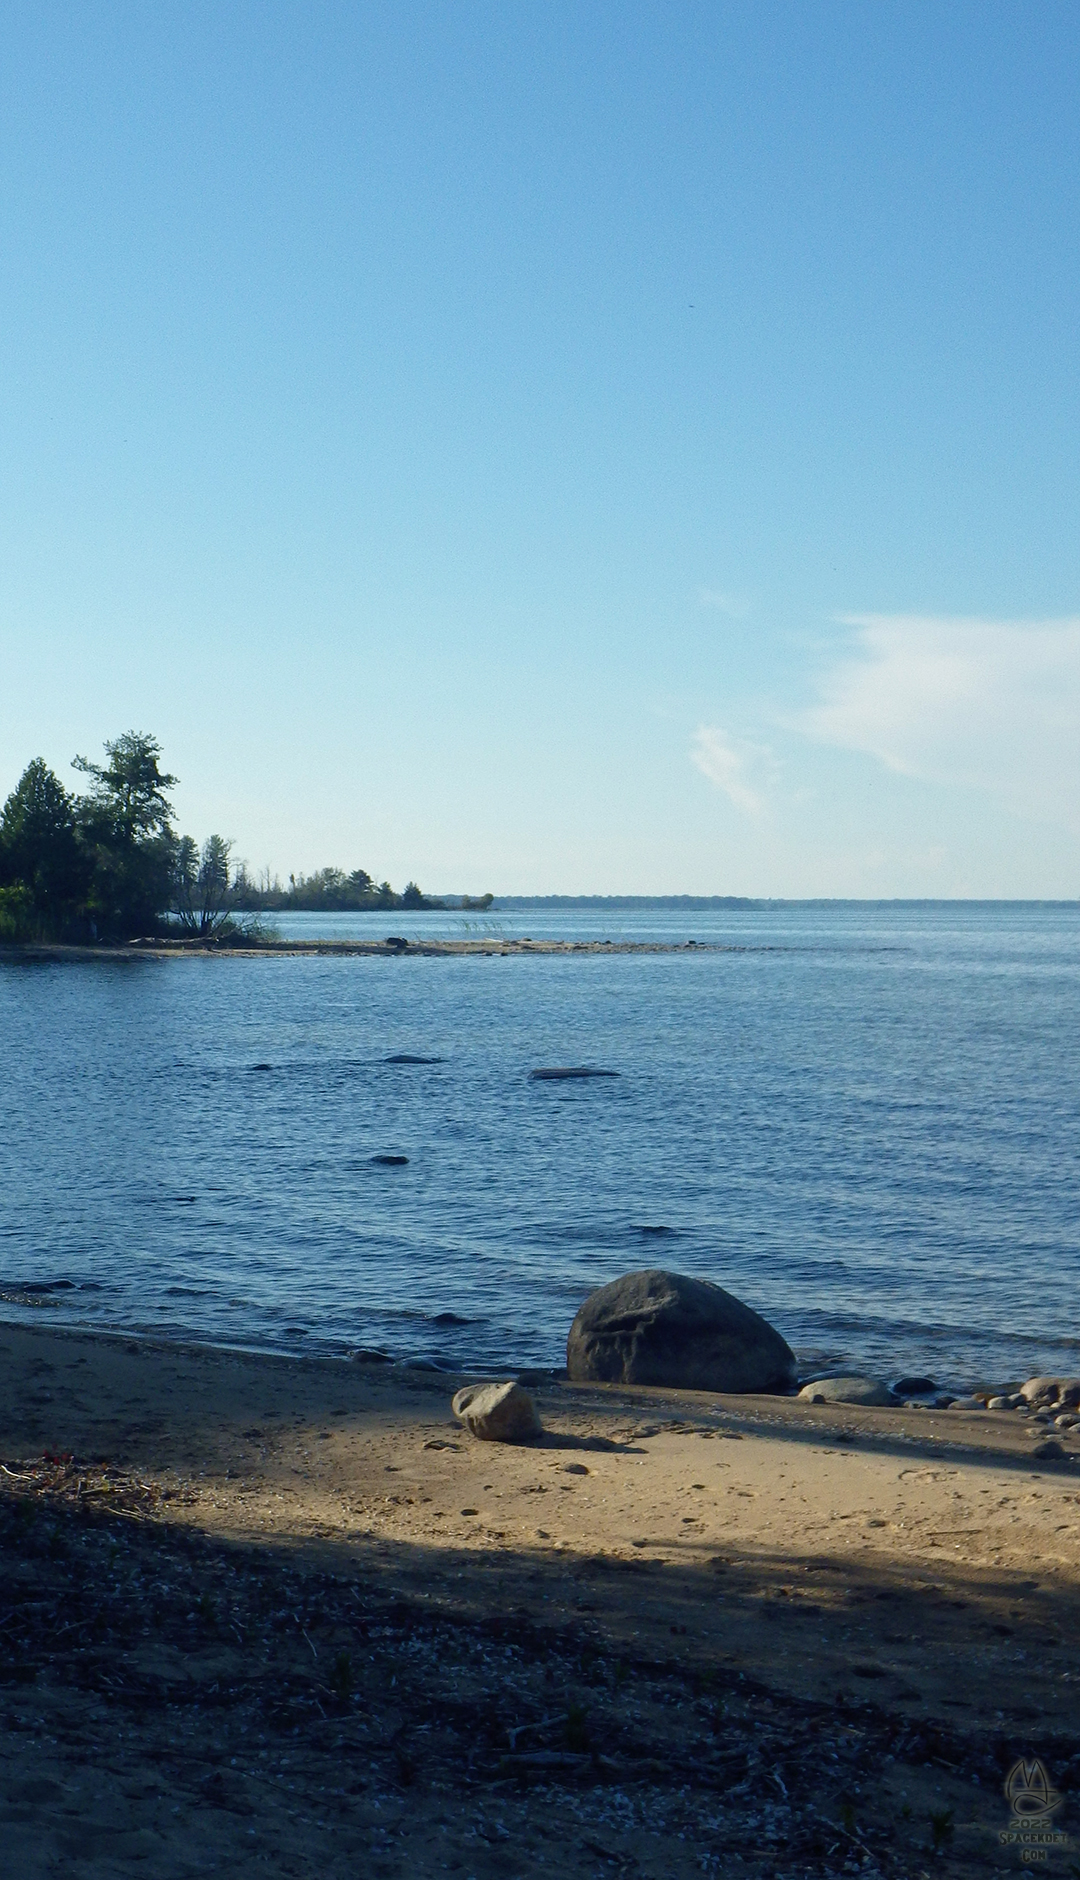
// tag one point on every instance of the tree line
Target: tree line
(328, 890)
(108, 864)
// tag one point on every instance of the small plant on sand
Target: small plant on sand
(941, 1829)
(576, 1729)
(406, 1766)
(341, 1677)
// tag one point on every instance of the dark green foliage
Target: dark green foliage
(942, 1829)
(44, 871)
(576, 1729)
(110, 866)
(328, 890)
(342, 1677)
(205, 891)
(16, 913)
(130, 792)
(125, 826)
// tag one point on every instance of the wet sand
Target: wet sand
(285, 1616)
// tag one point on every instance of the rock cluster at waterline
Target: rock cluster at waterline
(663, 1328)
(1044, 1403)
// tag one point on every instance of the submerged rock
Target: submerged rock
(684, 1334)
(497, 1413)
(40, 1285)
(390, 1161)
(576, 1070)
(864, 1390)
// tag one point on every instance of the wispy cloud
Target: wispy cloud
(735, 605)
(711, 750)
(994, 704)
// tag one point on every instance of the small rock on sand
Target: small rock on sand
(497, 1413)
(865, 1390)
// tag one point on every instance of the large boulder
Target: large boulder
(1064, 1391)
(684, 1334)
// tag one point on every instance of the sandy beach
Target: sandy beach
(286, 1616)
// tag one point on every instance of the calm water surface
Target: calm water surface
(864, 1120)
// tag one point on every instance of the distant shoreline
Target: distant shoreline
(692, 903)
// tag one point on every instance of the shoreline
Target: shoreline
(42, 1305)
(373, 949)
(596, 1639)
(40, 1310)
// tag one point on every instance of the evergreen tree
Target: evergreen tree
(125, 826)
(205, 895)
(42, 864)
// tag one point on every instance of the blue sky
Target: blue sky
(582, 447)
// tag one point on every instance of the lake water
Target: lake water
(864, 1120)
